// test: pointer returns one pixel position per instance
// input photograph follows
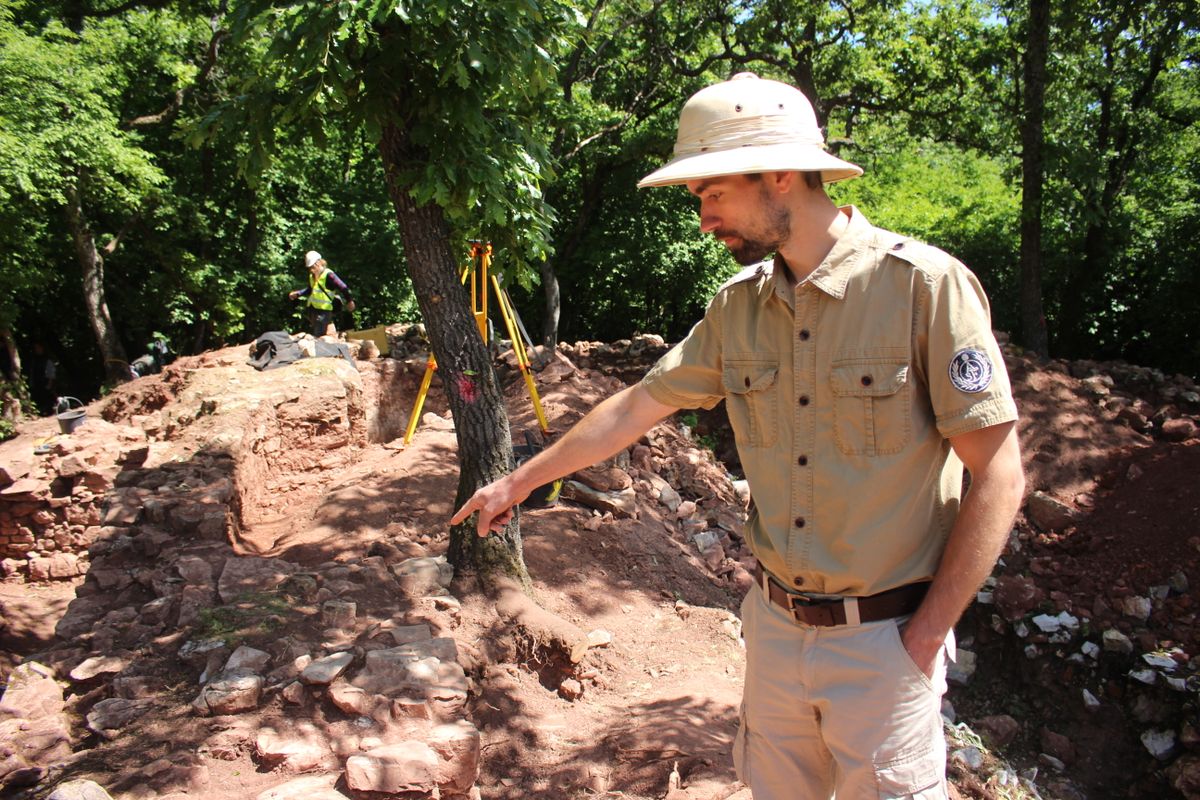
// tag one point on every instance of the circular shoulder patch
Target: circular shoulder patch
(970, 371)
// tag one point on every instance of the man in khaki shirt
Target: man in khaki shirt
(860, 375)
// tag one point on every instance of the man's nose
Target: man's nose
(708, 222)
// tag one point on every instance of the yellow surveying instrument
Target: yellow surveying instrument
(479, 271)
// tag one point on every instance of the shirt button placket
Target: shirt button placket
(803, 360)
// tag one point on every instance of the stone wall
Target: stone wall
(54, 500)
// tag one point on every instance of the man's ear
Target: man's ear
(782, 182)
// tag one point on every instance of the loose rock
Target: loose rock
(79, 790)
(232, 693)
(405, 767)
(324, 671)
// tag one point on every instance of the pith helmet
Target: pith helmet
(744, 125)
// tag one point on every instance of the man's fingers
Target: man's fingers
(495, 509)
(494, 525)
(463, 512)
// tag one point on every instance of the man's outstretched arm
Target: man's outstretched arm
(607, 429)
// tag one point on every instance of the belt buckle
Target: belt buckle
(823, 613)
(794, 599)
(808, 611)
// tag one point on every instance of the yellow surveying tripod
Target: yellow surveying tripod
(480, 273)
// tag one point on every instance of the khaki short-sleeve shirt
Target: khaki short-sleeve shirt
(843, 392)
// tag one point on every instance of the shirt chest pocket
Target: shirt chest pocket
(752, 400)
(872, 405)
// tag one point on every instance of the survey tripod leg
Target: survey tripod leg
(506, 311)
(480, 272)
(422, 393)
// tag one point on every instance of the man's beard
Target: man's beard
(753, 249)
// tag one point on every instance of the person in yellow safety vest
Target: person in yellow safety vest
(323, 286)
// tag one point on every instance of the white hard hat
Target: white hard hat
(311, 257)
(744, 125)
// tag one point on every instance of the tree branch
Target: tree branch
(210, 61)
(112, 245)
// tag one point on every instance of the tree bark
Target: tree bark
(467, 375)
(803, 71)
(1033, 318)
(200, 331)
(10, 397)
(553, 304)
(14, 356)
(91, 262)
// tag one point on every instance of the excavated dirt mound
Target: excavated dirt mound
(652, 710)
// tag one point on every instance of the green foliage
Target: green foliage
(464, 83)
(689, 420)
(515, 107)
(1121, 133)
(59, 98)
(642, 265)
(62, 92)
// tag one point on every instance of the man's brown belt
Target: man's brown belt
(845, 610)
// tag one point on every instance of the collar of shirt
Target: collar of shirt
(833, 273)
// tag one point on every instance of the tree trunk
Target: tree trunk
(1033, 318)
(467, 375)
(10, 396)
(200, 331)
(553, 304)
(14, 356)
(116, 364)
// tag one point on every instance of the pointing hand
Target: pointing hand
(495, 503)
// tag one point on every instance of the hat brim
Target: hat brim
(751, 159)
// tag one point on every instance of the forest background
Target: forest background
(165, 165)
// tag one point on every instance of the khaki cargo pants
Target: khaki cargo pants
(837, 711)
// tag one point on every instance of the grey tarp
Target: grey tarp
(278, 348)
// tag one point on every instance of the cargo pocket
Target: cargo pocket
(751, 400)
(918, 774)
(871, 405)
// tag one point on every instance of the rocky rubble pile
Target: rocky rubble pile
(706, 513)
(321, 679)
(381, 699)
(165, 450)
(624, 357)
(407, 341)
(1107, 636)
(150, 523)
(670, 469)
(1145, 399)
(1105, 660)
